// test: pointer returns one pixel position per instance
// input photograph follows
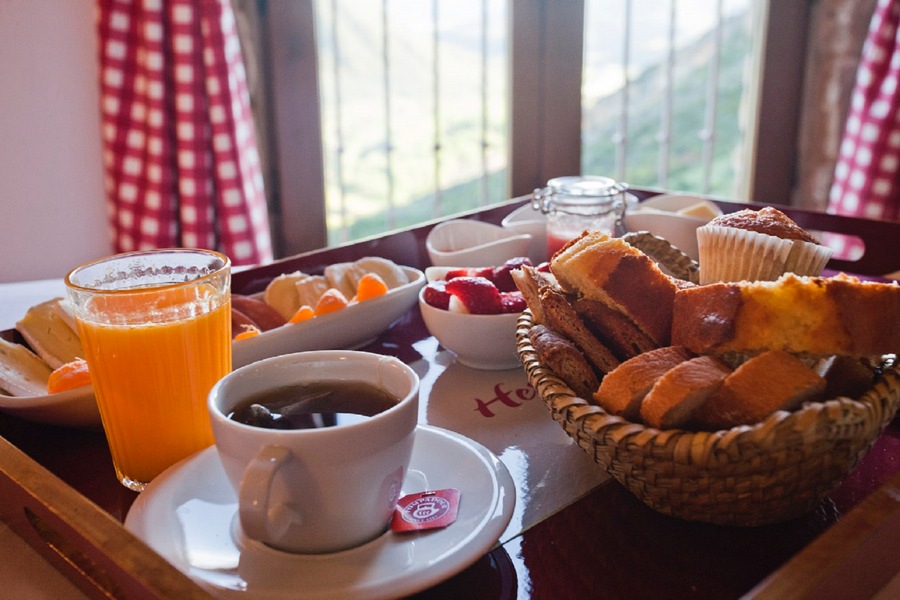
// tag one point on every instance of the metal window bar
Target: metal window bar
(388, 131)
(665, 134)
(342, 185)
(441, 119)
(621, 137)
(343, 233)
(708, 135)
(484, 187)
(436, 207)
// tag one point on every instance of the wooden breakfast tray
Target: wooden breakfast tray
(80, 539)
(60, 494)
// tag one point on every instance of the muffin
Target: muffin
(757, 245)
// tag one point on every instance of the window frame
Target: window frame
(545, 107)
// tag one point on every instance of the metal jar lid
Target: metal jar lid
(579, 195)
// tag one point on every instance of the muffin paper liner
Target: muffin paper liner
(731, 254)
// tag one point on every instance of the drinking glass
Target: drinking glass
(156, 331)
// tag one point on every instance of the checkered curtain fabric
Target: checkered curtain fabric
(180, 156)
(867, 178)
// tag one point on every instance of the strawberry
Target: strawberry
(478, 295)
(454, 273)
(502, 276)
(436, 295)
(486, 272)
(513, 302)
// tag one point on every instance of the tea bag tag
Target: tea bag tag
(430, 509)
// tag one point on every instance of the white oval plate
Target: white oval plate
(72, 408)
(188, 515)
(354, 326)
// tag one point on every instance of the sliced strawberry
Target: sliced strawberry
(454, 273)
(513, 302)
(486, 272)
(502, 275)
(479, 295)
(436, 295)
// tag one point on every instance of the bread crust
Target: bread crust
(49, 334)
(817, 316)
(560, 354)
(618, 332)
(623, 390)
(531, 282)
(22, 373)
(609, 270)
(773, 380)
(674, 398)
(845, 376)
(561, 316)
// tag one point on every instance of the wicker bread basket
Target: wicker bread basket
(753, 475)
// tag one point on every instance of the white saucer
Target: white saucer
(188, 515)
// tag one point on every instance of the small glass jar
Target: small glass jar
(575, 204)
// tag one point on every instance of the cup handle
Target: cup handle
(260, 520)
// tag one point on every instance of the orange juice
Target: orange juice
(155, 345)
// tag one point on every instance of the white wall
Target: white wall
(52, 204)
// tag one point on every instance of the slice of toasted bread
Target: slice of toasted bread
(773, 380)
(609, 270)
(677, 395)
(815, 316)
(565, 359)
(49, 335)
(531, 282)
(622, 390)
(22, 373)
(617, 331)
(561, 316)
(845, 376)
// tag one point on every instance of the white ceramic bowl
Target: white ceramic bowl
(660, 216)
(470, 243)
(486, 342)
(526, 219)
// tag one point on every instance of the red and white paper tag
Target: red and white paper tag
(426, 510)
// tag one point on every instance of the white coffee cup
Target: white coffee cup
(325, 489)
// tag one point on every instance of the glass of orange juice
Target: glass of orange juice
(156, 330)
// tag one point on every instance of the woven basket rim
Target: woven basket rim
(661, 250)
(590, 417)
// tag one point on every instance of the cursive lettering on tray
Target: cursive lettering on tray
(511, 399)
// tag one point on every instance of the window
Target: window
(665, 91)
(428, 109)
(414, 110)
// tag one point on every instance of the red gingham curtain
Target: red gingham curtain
(180, 156)
(867, 177)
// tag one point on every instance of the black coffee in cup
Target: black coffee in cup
(313, 405)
